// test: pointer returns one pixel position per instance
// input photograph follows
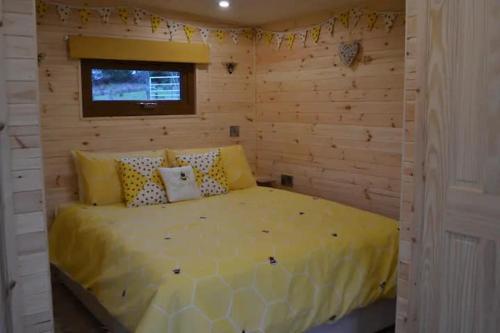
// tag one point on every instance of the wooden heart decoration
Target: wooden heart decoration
(348, 52)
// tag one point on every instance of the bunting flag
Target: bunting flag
(204, 33)
(372, 19)
(123, 14)
(389, 19)
(234, 33)
(279, 39)
(331, 25)
(220, 35)
(354, 16)
(302, 37)
(172, 28)
(268, 36)
(155, 23)
(248, 33)
(41, 8)
(139, 15)
(259, 34)
(348, 18)
(344, 19)
(84, 15)
(290, 39)
(105, 14)
(64, 12)
(315, 33)
(189, 31)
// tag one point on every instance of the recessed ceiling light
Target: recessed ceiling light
(224, 4)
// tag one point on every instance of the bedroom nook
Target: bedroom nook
(205, 166)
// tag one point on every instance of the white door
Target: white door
(458, 161)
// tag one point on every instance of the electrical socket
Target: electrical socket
(234, 131)
(287, 180)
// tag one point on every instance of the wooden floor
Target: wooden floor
(70, 315)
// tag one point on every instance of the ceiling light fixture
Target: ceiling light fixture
(224, 4)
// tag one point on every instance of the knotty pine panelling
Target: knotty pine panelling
(222, 100)
(32, 296)
(336, 130)
(405, 317)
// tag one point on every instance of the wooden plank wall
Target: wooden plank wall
(222, 100)
(21, 75)
(336, 130)
(406, 311)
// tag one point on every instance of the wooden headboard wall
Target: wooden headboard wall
(222, 100)
(337, 130)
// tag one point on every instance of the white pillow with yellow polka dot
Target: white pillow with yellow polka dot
(141, 181)
(208, 169)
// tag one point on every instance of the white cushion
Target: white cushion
(180, 183)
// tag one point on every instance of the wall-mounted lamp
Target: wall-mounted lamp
(230, 66)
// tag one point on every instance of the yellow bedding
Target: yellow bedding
(258, 260)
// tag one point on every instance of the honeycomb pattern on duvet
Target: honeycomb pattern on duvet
(261, 276)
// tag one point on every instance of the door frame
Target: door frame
(9, 294)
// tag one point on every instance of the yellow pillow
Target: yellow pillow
(238, 172)
(98, 178)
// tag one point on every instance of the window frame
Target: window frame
(185, 106)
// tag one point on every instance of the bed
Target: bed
(252, 260)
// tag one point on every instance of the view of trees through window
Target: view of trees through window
(134, 85)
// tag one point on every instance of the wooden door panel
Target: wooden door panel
(459, 251)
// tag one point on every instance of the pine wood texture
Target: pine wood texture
(222, 100)
(406, 314)
(458, 251)
(20, 62)
(451, 273)
(337, 130)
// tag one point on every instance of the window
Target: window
(137, 88)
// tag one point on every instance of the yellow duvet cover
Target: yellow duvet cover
(253, 260)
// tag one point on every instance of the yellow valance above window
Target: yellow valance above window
(86, 47)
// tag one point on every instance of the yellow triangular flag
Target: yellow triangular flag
(315, 33)
(155, 23)
(344, 19)
(220, 35)
(248, 33)
(268, 36)
(290, 38)
(372, 19)
(84, 15)
(41, 8)
(189, 31)
(123, 14)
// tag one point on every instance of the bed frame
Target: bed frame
(370, 319)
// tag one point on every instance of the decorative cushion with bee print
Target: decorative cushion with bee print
(141, 182)
(180, 183)
(209, 171)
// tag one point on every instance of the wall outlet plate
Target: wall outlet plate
(287, 180)
(234, 131)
